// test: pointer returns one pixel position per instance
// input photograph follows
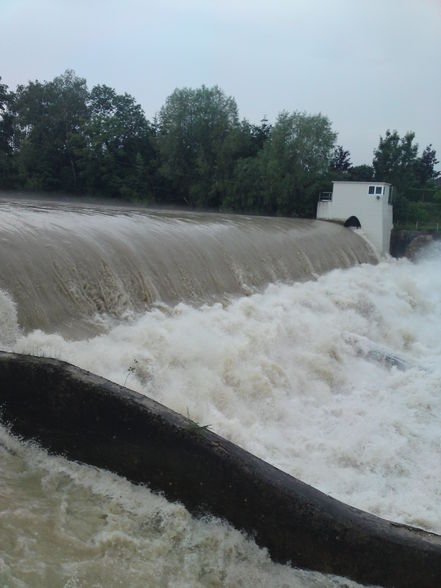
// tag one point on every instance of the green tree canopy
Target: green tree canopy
(340, 166)
(395, 160)
(50, 119)
(285, 176)
(341, 160)
(361, 173)
(7, 168)
(196, 143)
(119, 140)
(425, 166)
(59, 136)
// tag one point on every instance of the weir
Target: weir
(63, 264)
(89, 419)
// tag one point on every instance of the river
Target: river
(284, 336)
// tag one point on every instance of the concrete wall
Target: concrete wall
(405, 243)
(373, 211)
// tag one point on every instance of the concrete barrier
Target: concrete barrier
(405, 243)
(89, 419)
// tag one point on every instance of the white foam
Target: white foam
(279, 374)
(9, 329)
(297, 374)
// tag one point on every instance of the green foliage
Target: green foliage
(7, 164)
(295, 160)
(421, 215)
(396, 161)
(341, 160)
(60, 136)
(197, 134)
(284, 176)
(361, 173)
(119, 146)
(193, 427)
(424, 166)
(49, 123)
(73, 140)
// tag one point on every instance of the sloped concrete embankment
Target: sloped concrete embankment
(89, 419)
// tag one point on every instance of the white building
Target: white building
(361, 204)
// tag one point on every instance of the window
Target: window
(375, 190)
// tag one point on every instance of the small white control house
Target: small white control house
(361, 204)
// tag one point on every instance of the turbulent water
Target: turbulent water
(64, 264)
(335, 379)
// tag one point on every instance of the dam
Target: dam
(260, 330)
(64, 264)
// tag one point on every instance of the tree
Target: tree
(425, 166)
(196, 144)
(260, 134)
(246, 192)
(7, 168)
(119, 146)
(249, 139)
(339, 168)
(49, 130)
(361, 173)
(285, 176)
(395, 160)
(295, 159)
(341, 160)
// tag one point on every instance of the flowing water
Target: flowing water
(64, 264)
(238, 322)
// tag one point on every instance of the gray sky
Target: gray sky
(368, 65)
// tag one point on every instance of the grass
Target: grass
(194, 427)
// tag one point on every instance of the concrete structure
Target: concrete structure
(361, 204)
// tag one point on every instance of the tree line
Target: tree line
(59, 136)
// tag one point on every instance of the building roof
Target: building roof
(369, 183)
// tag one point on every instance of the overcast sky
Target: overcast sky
(368, 65)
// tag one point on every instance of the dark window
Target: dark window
(371, 189)
(378, 190)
